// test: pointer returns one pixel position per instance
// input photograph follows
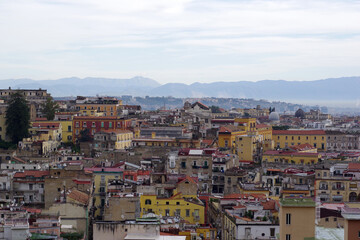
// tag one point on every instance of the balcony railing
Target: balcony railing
(338, 188)
(323, 188)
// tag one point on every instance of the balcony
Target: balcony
(323, 187)
(338, 188)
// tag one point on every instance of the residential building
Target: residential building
(297, 218)
(287, 138)
(190, 209)
(113, 139)
(97, 124)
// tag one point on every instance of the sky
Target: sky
(180, 40)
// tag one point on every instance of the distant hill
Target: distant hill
(339, 90)
(86, 86)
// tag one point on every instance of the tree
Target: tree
(85, 135)
(215, 109)
(49, 108)
(17, 118)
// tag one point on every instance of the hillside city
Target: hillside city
(99, 168)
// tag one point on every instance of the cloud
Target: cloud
(180, 40)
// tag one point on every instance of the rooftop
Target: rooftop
(297, 202)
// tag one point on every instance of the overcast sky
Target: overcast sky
(180, 40)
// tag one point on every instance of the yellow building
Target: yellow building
(101, 178)
(227, 136)
(246, 146)
(287, 138)
(205, 233)
(229, 227)
(189, 209)
(113, 139)
(297, 219)
(166, 142)
(291, 157)
(246, 124)
(66, 129)
(109, 107)
(43, 131)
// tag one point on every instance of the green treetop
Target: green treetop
(17, 118)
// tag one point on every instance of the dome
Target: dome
(300, 113)
(274, 116)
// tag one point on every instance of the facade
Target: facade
(189, 209)
(339, 141)
(196, 163)
(303, 158)
(332, 186)
(28, 186)
(287, 138)
(112, 140)
(97, 124)
(107, 106)
(297, 218)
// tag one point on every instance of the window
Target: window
(110, 124)
(272, 232)
(183, 164)
(288, 237)
(178, 212)
(326, 219)
(187, 212)
(167, 203)
(77, 124)
(167, 212)
(299, 138)
(147, 202)
(84, 124)
(288, 219)
(177, 203)
(335, 219)
(314, 145)
(102, 124)
(93, 124)
(314, 138)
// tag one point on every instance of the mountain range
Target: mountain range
(333, 90)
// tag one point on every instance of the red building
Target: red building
(97, 124)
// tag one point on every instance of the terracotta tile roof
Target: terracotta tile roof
(31, 173)
(201, 105)
(302, 147)
(268, 205)
(78, 196)
(354, 167)
(229, 128)
(262, 126)
(190, 179)
(298, 132)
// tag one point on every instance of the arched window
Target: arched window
(147, 202)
